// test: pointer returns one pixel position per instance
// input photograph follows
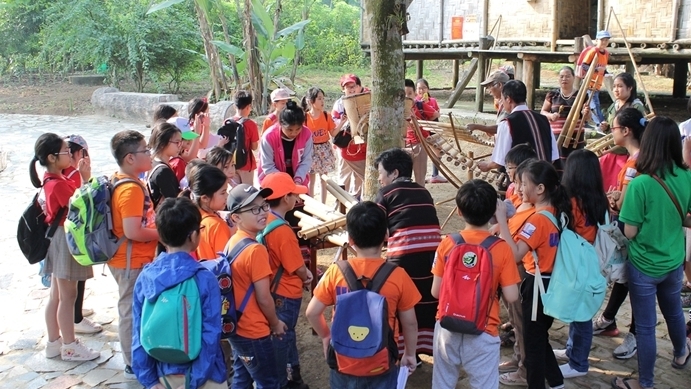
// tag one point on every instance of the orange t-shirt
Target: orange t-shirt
(505, 271)
(399, 290)
(542, 236)
(518, 219)
(514, 197)
(320, 126)
(132, 200)
(600, 66)
(250, 266)
(214, 236)
(581, 224)
(628, 172)
(284, 250)
(269, 121)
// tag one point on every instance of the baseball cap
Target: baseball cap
(280, 94)
(496, 76)
(281, 184)
(77, 139)
(184, 125)
(348, 78)
(603, 34)
(243, 195)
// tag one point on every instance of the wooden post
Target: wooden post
(536, 75)
(578, 46)
(485, 42)
(630, 67)
(460, 85)
(518, 70)
(456, 66)
(419, 69)
(679, 86)
(555, 25)
(528, 80)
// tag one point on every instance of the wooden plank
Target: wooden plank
(456, 68)
(460, 86)
(528, 78)
(518, 70)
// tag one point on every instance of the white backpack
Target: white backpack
(611, 248)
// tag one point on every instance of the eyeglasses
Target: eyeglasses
(617, 127)
(145, 151)
(68, 152)
(176, 142)
(256, 210)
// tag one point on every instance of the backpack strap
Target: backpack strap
(539, 286)
(234, 253)
(261, 238)
(130, 243)
(671, 196)
(380, 277)
(457, 238)
(490, 242)
(350, 278)
(54, 224)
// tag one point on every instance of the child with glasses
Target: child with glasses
(254, 357)
(165, 143)
(133, 218)
(54, 154)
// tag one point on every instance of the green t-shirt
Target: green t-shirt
(611, 112)
(658, 248)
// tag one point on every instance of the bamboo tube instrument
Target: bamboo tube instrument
(574, 112)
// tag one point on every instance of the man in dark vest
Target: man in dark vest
(521, 126)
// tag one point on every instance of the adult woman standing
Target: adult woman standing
(625, 95)
(558, 104)
(414, 234)
(654, 210)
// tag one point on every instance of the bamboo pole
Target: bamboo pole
(633, 60)
(341, 195)
(340, 239)
(320, 210)
(572, 117)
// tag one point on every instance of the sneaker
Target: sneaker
(53, 348)
(686, 287)
(129, 373)
(686, 301)
(76, 351)
(627, 348)
(604, 327)
(86, 326)
(437, 180)
(512, 379)
(568, 372)
(86, 312)
(560, 354)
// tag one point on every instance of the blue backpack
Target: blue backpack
(171, 326)
(261, 238)
(362, 342)
(221, 267)
(576, 288)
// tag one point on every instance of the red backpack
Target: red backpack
(466, 291)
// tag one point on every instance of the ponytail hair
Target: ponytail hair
(543, 172)
(292, 115)
(46, 144)
(632, 119)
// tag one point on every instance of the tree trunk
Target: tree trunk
(296, 61)
(277, 15)
(231, 58)
(386, 122)
(253, 68)
(210, 50)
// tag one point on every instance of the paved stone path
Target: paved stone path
(22, 297)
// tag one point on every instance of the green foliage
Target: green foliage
(20, 22)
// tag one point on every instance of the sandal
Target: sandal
(629, 383)
(686, 360)
(506, 327)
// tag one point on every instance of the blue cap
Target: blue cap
(603, 34)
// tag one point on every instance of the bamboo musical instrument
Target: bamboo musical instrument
(574, 112)
(602, 145)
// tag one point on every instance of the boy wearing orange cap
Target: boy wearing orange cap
(290, 275)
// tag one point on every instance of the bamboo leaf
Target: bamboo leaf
(262, 20)
(300, 40)
(163, 5)
(291, 29)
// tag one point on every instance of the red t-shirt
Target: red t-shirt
(57, 191)
(251, 136)
(178, 165)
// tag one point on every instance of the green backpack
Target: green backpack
(171, 326)
(89, 223)
(261, 238)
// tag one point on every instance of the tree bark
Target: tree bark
(211, 52)
(231, 58)
(253, 68)
(386, 122)
(296, 61)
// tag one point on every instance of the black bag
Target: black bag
(343, 138)
(33, 234)
(235, 132)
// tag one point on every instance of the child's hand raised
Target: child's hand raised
(84, 167)
(500, 213)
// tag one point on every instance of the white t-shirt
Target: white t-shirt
(685, 128)
(503, 140)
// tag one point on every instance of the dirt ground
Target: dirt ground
(61, 98)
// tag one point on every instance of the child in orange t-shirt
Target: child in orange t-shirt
(539, 236)
(210, 192)
(323, 128)
(515, 157)
(288, 267)
(476, 202)
(583, 182)
(367, 231)
(252, 340)
(133, 218)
